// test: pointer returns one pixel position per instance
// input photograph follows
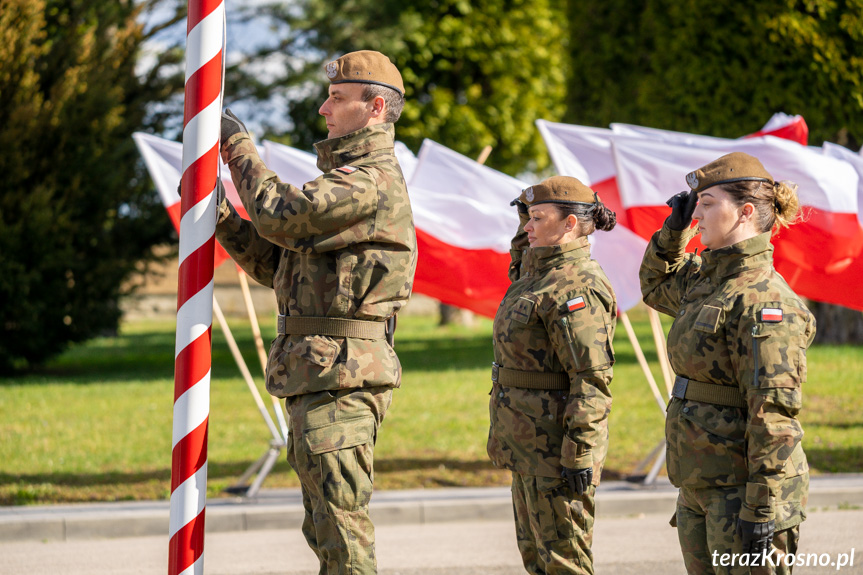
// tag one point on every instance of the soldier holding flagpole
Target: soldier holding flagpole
(340, 254)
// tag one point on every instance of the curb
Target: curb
(283, 509)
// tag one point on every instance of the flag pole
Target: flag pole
(193, 349)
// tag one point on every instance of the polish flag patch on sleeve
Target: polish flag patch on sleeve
(347, 169)
(575, 304)
(771, 314)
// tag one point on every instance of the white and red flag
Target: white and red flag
(462, 214)
(464, 227)
(642, 167)
(164, 160)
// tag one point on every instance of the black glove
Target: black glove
(520, 206)
(578, 479)
(756, 537)
(231, 125)
(682, 206)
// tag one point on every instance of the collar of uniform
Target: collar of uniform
(756, 252)
(546, 257)
(337, 152)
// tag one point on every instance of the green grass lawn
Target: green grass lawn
(95, 424)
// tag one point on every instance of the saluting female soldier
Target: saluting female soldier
(553, 365)
(738, 347)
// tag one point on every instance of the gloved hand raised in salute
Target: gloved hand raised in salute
(682, 207)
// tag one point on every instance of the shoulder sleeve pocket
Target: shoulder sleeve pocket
(776, 354)
(584, 331)
(339, 435)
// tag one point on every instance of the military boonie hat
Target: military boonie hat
(733, 167)
(559, 190)
(365, 67)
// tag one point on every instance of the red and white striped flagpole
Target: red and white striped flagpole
(201, 131)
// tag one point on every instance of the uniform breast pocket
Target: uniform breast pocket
(522, 311)
(708, 319)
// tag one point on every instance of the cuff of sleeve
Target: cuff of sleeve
(669, 238)
(224, 211)
(226, 145)
(758, 506)
(575, 455)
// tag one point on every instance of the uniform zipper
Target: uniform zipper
(565, 325)
(755, 355)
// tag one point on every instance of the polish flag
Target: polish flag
(164, 160)
(464, 227)
(461, 209)
(585, 153)
(820, 257)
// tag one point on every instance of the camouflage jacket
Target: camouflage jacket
(341, 246)
(738, 324)
(537, 432)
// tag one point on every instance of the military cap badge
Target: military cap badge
(692, 180)
(528, 194)
(332, 69)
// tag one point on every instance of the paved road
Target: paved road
(643, 544)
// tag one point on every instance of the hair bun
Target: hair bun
(786, 204)
(603, 218)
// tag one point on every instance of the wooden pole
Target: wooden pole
(483, 155)
(259, 346)
(642, 361)
(661, 351)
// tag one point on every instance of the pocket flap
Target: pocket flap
(708, 318)
(316, 349)
(339, 435)
(523, 309)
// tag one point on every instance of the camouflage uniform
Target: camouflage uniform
(535, 432)
(738, 325)
(343, 246)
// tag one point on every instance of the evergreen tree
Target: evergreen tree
(77, 212)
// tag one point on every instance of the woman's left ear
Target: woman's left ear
(571, 223)
(747, 211)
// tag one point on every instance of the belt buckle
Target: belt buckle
(280, 325)
(679, 389)
(495, 370)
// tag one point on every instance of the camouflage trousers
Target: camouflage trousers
(706, 521)
(553, 525)
(331, 447)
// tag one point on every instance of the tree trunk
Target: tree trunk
(836, 324)
(450, 314)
